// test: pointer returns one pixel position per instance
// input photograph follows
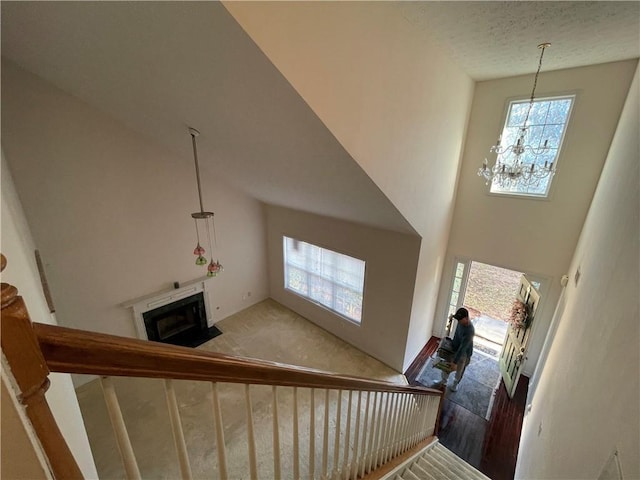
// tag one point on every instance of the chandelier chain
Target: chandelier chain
(535, 84)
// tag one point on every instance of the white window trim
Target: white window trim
(575, 95)
(313, 301)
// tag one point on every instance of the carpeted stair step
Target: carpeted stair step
(436, 462)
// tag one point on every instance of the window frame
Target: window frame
(314, 301)
(574, 95)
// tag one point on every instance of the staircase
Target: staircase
(435, 462)
(312, 424)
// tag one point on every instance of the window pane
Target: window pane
(517, 114)
(547, 122)
(328, 278)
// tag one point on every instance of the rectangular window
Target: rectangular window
(545, 131)
(322, 276)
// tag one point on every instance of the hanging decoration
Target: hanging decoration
(204, 221)
(519, 315)
(510, 167)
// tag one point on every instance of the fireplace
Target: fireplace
(179, 317)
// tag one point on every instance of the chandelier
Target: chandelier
(204, 220)
(511, 168)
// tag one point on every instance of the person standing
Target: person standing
(462, 347)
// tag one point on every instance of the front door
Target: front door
(515, 346)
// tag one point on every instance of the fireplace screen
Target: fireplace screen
(179, 322)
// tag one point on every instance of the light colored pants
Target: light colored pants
(462, 366)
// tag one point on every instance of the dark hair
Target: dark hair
(461, 313)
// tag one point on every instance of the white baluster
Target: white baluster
(383, 432)
(347, 437)
(353, 470)
(312, 434)
(412, 420)
(276, 434)
(416, 418)
(393, 419)
(397, 428)
(217, 415)
(325, 440)
(365, 432)
(176, 428)
(423, 409)
(375, 430)
(336, 443)
(384, 404)
(251, 440)
(423, 422)
(296, 454)
(389, 429)
(119, 428)
(403, 424)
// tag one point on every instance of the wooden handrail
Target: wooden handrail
(78, 351)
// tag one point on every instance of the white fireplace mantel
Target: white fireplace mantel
(143, 304)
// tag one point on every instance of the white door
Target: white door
(515, 345)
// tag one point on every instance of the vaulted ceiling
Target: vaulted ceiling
(162, 66)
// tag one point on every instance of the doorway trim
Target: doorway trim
(444, 299)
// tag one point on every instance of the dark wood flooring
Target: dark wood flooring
(490, 446)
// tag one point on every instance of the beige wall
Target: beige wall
(587, 402)
(390, 274)
(18, 247)
(394, 100)
(110, 211)
(527, 235)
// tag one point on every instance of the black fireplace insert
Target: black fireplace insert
(183, 322)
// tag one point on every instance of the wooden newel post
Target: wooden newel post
(29, 368)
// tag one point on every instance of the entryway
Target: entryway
(488, 293)
(473, 429)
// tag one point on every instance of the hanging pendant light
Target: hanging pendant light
(204, 221)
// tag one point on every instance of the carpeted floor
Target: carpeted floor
(267, 331)
(476, 388)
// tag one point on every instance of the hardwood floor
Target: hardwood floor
(462, 432)
(500, 450)
(491, 446)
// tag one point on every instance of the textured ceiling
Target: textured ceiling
(499, 39)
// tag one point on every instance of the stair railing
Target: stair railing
(368, 422)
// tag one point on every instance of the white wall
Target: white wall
(110, 211)
(390, 258)
(394, 100)
(18, 247)
(587, 402)
(527, 235)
